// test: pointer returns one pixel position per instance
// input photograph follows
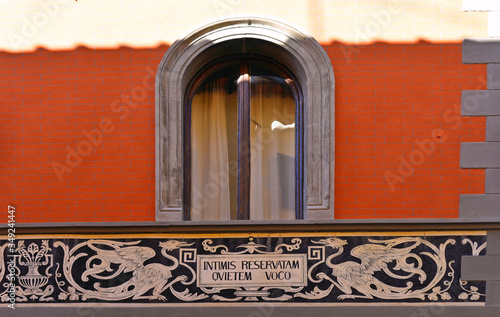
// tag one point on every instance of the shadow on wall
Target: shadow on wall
(78, 131)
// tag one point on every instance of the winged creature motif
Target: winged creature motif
(375, 256)
(153, 276)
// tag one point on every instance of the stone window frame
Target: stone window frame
(299, 52)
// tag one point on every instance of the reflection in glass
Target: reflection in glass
(215, 139)
(272, 144)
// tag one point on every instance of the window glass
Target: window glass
(272, 144)
(242, 144)
(214, 144)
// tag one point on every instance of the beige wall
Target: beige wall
(58, 24)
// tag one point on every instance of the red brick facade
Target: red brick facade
(78, 132)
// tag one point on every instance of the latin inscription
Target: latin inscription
(251, 270)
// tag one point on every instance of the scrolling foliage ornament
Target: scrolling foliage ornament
(377, 269)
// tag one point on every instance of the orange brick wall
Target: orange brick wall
(389, 99)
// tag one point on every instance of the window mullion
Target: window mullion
(244, 142)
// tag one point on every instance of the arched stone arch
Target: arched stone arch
(302, 54)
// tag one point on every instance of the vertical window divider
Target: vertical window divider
(186, 198)
(244, 172)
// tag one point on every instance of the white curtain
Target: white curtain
(272, 182)
(213, 151)
(209, 155)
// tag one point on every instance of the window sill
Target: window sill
(251, 226)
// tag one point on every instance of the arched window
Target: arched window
(276, 83)
(243, 145)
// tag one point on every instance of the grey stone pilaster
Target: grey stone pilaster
(486, 268)
(480, 51)
(493, 129)
(483, 154)
(481, 102)
(492, 181)
(493, 239)
(493, 285)
(480, 206)
(480, 155)
(493, 76)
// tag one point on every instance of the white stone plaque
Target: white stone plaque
(252, 270)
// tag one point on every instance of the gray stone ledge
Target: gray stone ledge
(493, 76)
(482, 50)
(492, 129)
(480, 155)
(480, 268)
(478, 206)
(260, 310)
(492, 181)
(480, 102)
(413, 224)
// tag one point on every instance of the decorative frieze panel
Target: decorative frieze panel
(322, 268)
